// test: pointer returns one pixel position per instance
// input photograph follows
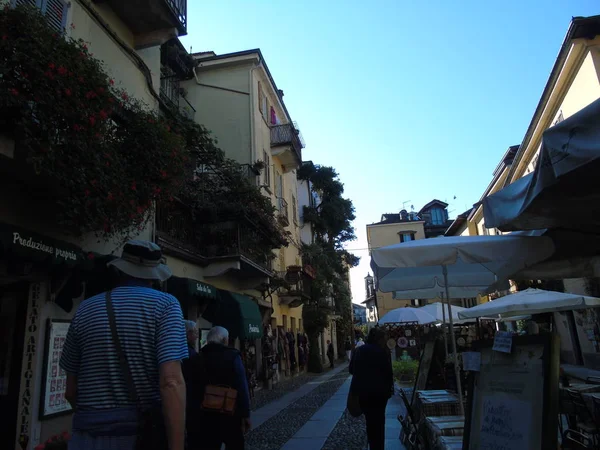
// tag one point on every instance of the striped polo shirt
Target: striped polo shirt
(151, 330)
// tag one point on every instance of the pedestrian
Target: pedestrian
(192, 336)
(360, 342)
(220, 366)
(373, 383)
(126, 385)
(330, 353)
(348, 348)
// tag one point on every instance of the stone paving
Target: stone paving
(314, 417)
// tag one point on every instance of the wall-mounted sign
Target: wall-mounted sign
(54, 384)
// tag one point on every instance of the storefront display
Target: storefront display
(54, 384)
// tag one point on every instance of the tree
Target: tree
(332, 223)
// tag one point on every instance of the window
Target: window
(294, 209)
(54, 10)
(267, 169)
(278, 185)
(438, 216)
(406, 237)
(169, 86)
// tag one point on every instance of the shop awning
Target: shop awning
(563, 190)
(236, 312)
(27, 246)
(188, 289)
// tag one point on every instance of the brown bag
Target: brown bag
(221, 399)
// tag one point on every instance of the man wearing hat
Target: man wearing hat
(111, 377)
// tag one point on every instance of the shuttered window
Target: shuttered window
(54, 10)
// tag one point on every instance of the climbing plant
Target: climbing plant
(331, 219)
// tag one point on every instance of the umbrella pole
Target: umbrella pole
(455, 355)
(444, 325)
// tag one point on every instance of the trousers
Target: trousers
(373, 408)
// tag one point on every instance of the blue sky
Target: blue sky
(408, 100)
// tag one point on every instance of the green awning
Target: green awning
(236, 312)
(28, 246)
(187, 289)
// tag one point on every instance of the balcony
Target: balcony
(295, 288)
(235, 246)
(144, 17)
(287, 145)
(283, 212)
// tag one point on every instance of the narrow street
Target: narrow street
(313, 417)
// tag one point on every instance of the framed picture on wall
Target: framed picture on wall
(54, 382)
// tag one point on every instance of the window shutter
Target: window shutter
(260, 97)
(15, 3)
(56, 13)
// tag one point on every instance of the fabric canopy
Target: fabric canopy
(438, 292)
(440, 311)
(563, 185)
(531, 301)
(238, 313)
(28, 246)
(187, 288)
(407, 314)
(473, 262)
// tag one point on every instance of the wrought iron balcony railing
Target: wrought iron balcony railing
(219, 239)
(287, 134)
(282, 208)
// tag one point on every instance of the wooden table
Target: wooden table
(436, 403)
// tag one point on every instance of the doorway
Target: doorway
(13, 310)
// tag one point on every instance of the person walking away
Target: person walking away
(123, 355)
(330, 353)
(192, 336)
(373, 383)
(348, 348)
(217, 365)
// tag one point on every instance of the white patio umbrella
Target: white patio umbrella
(531, 301)
(408, 314)
(441, 312)
(457, 261)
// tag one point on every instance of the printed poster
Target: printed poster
(54, 401)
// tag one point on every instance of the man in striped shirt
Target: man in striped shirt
(150, 328)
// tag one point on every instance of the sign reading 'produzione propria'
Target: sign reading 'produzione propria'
(40, 246)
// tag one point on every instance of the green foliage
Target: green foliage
(332, 222)
(405, 371)
(111, 154)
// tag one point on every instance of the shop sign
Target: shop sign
(28, 365)
(253, 329)
(39, 245)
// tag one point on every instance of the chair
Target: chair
(574, 440)
(585, 419)
(593, 380)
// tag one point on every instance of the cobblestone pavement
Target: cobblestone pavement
(276, 431)
(285, 385)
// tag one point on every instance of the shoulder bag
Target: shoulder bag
(151, 434)
(218, 398)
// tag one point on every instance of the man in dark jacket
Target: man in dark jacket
(373, 382)
(330, 353)
(217, 364)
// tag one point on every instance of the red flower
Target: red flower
(92, 120)
(157, 190)
(133, 186)
(85, 47)
(90, 95)
(107, 164)
(124, 96)
(40, 447)
(62, 70)
(80, 79)
(140, 210)
(103, 114)
(14, 91)
(51, 66)
(68, 92)
(93, 182)
(72, 26)
(87, 192)
(111, 100)
(163, 174)
(49, 74)
(100, 90)
(91, 257)
(110, 196)
(77, 127)
(150, 120)
(111, 82)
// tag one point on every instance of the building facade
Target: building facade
(359, 312)
(41, 263)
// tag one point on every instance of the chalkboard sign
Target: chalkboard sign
(513, 399)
